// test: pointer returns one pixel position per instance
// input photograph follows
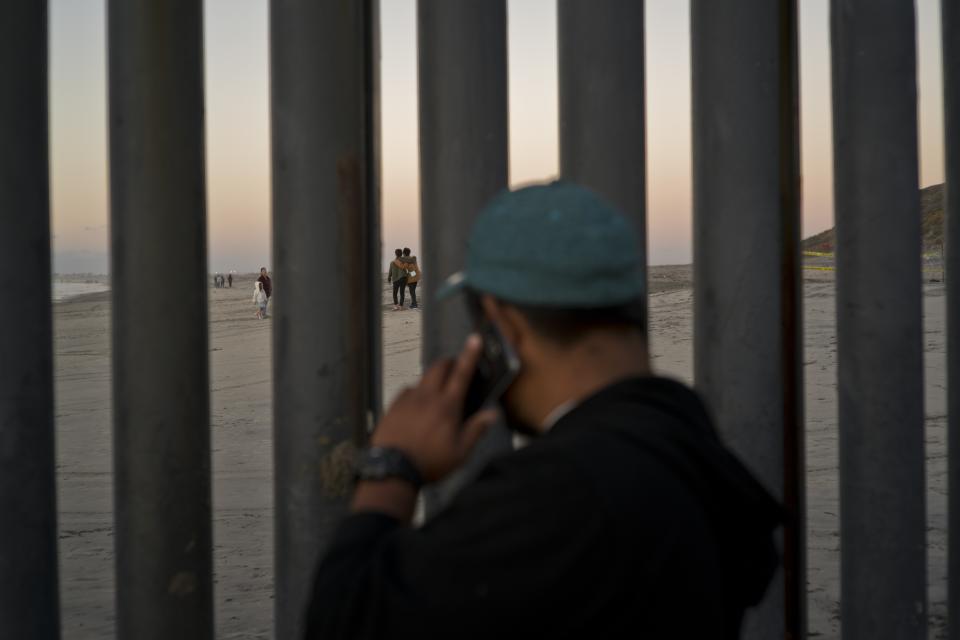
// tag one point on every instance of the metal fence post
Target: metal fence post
(601, 87)
(326, 323)
(29, 600)
(950, 17)
(160, 370)
(463, 163)
(879, 328)
(747, 338)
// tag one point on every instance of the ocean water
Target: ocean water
(66, 290)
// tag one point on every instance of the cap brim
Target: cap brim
(456, 283)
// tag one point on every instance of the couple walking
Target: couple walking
(404, 274)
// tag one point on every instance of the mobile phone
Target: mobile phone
(497, 367)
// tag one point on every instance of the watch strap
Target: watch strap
(382, 463)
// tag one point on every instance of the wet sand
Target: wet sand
(242, 465)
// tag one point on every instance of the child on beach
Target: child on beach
(260, 298)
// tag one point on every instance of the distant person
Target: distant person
(230, 280)
(264, 279)
(398, 276)
(413, 275)
(625, 516)
(260, 299)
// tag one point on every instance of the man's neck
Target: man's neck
(574, 375)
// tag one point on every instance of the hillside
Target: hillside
(931, 211)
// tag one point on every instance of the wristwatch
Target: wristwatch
(381, 463)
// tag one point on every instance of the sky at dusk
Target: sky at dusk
(238, 135)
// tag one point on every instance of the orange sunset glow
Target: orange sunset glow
(238, 136)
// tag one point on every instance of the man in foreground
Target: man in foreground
(625, 517)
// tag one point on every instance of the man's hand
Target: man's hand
(425, 421)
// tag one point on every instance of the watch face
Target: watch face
(377, 464)
(382, 463)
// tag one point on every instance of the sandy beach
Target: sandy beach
(241, 439)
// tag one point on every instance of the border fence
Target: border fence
(324, 119)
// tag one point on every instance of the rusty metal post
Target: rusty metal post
(602, 111)
(879, 325)
(28, 534)
(747, 337)
(463, 163)
(327, 285)
(160, 356)
(950, 16)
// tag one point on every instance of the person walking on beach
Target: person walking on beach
(398, 276)
(264, 279)
(625, 516)
(260, 299)
(413, 275)
(230, 280)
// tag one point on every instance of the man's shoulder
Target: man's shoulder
(584, 464)
(629, 460)
(602, 446)
(538, 471)
(594, 475)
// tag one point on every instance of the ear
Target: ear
(508, 320)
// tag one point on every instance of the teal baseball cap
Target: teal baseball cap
(557, 245)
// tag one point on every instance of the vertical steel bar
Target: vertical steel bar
(324, 216)
(950, 18)
(747, 336)
(373, 138)
(463, 163)
(28, 535)
(600, 48)
(879, 328)
(160, 370)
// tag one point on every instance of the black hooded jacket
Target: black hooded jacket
(628, 519)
